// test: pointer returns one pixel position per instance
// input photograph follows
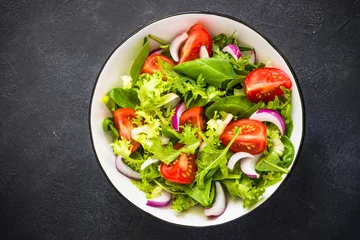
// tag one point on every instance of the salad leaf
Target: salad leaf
(222, 40)
(214, 70)
(235, 105)
(181, 202)
(245, 189)
(124, 97)
(205, 196)
(139, 61)
(108, 125)
(269, 178)
(270, 162)
(211, 159)
(288, 155)
(110, 104)
(150, 189)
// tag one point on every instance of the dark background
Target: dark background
(51, 186)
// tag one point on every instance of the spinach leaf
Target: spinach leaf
(108, 125)
(124, 97)
(235, 105)
(139, 61)
(288, 155)
(215, 71)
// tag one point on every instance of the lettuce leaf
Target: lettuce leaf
(181, 202)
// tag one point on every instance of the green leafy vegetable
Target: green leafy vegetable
(288, 155)
(181, 202)
(139, 61)
(124, 97)
(108, 125)
(235, 105)
(215, 71)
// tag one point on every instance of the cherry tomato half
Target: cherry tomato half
(194, 116)
(198, 36)
(252, 137)
(151, 64)
(263, 84)
(122, 121)
(182, 170)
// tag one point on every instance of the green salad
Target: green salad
(197, 118)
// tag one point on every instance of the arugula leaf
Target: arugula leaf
(235, 105)
(237, 80)
(205, 195)
(245, 49)
(215, 71)
(108, 125)
(222, 40)
(124, 97)
(214, 159)
(270, 162)
(139, 61)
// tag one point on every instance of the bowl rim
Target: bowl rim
(271, 44)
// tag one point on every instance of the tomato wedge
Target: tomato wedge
(194, 116)
(122, 121)
(263, 84)
(151, 64)
(198, 36)
(252, 137)
(182, 170)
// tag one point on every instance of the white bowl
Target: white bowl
(119, 64)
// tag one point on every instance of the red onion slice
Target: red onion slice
(160, 201)
(156, 51)
(203, 52)
(247, 166)
(175, 45)
(125, 169)
(179, 110)
(148, 162)
(233, 50)
(237, 157)
(267, 115)
(202, 145)
(219, 204)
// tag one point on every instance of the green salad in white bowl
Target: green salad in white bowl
(196, 119)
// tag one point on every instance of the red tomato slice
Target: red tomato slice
(198, 36)
(194, 116)
(182, 170)
(263, 84)
(151, 64)
(252, 137)
(122, 121)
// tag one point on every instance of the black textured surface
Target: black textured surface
(51, 186)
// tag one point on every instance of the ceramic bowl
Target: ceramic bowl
(119, 63)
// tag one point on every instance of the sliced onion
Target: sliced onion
(228, 119)
(247, 166)
(202, 145)
(175, 45)
(236, 157)
(164, 140)
(252, 58)
(223, 124)
(267, 115)
(179, 110)
(160, 201)
(156, 51)
(233, 50)
(203, 52)
(219, 204)
(125, 169)
(148, 162)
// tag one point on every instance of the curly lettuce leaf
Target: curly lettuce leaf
(181, 202)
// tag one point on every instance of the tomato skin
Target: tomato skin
(252, 138)
(263, 84)
(194, 116)
(182, 170)
(151, 64)
(198, 36)
(122, 121)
